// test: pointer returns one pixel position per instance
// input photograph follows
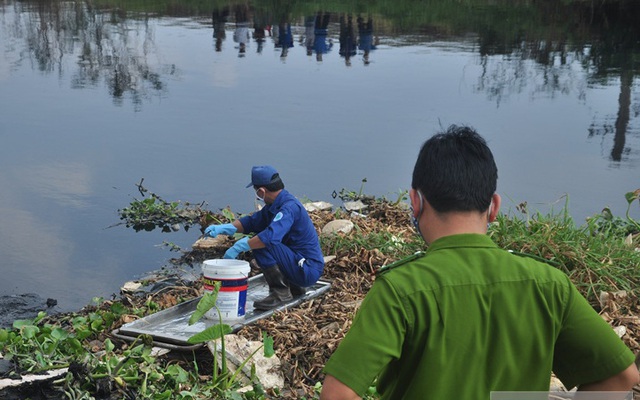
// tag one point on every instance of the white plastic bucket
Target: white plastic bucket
(233, 276)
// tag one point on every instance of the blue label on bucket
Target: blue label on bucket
(242, 302)
(226, 285)
(232, 296)
(233, 283)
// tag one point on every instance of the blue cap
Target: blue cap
(263, 175)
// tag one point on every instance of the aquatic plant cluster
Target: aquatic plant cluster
(153, 212)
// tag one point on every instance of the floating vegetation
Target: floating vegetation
(153, 212)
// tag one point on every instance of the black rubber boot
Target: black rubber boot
(296, 290)
(279, 291)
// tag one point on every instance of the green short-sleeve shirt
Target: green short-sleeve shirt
(469, 318)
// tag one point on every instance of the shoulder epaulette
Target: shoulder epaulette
(537, 258)
(398, 263)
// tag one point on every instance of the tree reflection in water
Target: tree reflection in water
(617, 53)
(545, 48)
(109, 52)
(600, 45)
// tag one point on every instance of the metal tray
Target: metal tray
(170, 328)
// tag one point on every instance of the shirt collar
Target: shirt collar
(279, 200)
(462, 240)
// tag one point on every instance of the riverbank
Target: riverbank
(602, 258)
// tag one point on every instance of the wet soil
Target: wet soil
(23, 306)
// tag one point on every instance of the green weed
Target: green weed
(154, 212)
(598, 256)
(223, 380)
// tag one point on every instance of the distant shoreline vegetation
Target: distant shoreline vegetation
(451, 17)
(502, 27)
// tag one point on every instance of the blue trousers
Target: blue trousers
(293, 266)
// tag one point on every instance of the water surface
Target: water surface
(93, 99)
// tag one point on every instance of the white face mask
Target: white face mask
(489, 214)
(414, 219)
(258, 196)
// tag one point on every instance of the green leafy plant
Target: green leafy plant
(402, 195)
(222, 378)
(350, 195)
(153, 212)
(36, 347)
(226, 215)
(606, 223)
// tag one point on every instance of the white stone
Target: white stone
(329, 259)
(318, 206)
(354, 205)
(208, 242)
(159, 351)
(629, 240)
(556, 385)
(612, 297)
(338, 225)
(620, 330)
(131, 287)
(238, 349)
(26, 379)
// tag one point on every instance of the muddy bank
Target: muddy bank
(23, 306)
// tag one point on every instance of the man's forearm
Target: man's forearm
(333, 389)
(238, 226)
(621, 382)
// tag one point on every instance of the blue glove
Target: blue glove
(225, 229)
(240, 246)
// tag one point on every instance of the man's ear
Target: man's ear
(416, 205)
(494, 207)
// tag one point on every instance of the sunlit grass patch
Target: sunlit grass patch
(600, 256)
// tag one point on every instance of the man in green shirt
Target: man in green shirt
(466, 318)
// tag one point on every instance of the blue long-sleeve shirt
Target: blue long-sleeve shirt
(285, 221)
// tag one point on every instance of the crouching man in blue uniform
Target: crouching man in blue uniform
(285, 245)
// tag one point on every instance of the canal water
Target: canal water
(95, 96)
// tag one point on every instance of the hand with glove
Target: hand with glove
(215, 230)
(240, 246)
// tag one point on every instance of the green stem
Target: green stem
(630, 219)
(50, 368)
(241, 366)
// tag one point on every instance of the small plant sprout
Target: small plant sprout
(222, 378)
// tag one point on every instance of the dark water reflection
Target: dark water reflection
(96, 95)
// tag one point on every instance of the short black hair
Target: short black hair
(455, 171)
(274, 185)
